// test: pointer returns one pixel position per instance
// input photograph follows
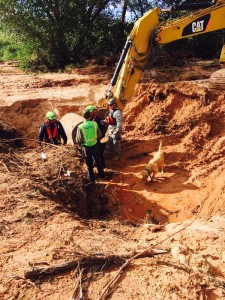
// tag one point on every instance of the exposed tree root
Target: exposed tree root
(86, 261)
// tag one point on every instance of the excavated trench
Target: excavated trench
(107, 199)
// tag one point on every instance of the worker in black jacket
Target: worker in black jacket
(52, 131)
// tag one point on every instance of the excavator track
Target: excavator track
(217, 80)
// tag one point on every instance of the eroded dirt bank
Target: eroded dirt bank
(181, 212)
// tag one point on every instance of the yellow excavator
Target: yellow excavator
(148, 31)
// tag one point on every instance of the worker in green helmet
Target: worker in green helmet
(88, 134)
(51, 131)
(102, 126)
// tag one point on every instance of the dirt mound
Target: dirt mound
(52, 177)
(189, 121)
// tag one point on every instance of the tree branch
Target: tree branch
(86, 261)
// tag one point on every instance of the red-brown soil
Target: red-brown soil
(47, 217)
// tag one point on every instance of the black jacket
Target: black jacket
(101, 125)
(43, 134)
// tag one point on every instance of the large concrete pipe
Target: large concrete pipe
(70, 122)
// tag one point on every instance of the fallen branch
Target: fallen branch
(78, 287)
(5, 166)
(88, 261)
(44, 190)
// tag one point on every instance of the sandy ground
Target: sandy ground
(48, 219)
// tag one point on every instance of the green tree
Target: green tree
(59, 31)
(139, 7)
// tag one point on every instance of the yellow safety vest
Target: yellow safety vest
(89, 130)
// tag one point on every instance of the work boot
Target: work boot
(90, 179)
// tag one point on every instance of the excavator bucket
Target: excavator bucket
(217, 80)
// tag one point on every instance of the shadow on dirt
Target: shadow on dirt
(132, 206)
(132, 198)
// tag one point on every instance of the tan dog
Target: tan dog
(155, 165)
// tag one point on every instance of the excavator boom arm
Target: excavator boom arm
(133, 58)
(148, 31)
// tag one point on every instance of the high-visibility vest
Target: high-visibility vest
(89, 130)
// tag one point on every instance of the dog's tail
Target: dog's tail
(160, 145)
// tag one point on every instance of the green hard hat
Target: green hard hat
(91, 108)
(51, 115)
